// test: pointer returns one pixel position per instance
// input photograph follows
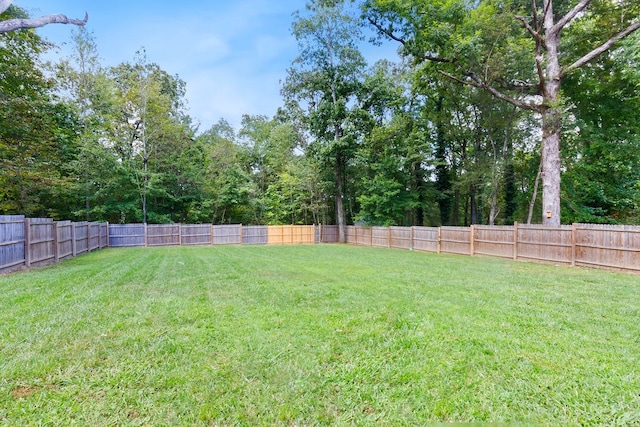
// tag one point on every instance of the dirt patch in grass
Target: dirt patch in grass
(24, 392)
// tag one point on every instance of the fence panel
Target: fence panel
(400, 237)
(303, 234)
(278, 235)
(41, 240)
(327, 234)
(65, 239)
(11, 241)
(104, 235)
(364, 236)
(254, 235)
(425, 239)
(163, 234)
(196, 234)
(545, 243)
(290, 234)
(607, 246)
(493, 241)
(455, 240)
(93, 235)
(126, 235)
(227, 234)
(350, 234)
(82, 237)
(374, 236)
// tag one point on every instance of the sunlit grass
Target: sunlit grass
(310, 335)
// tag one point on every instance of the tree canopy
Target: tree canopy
(490, 105)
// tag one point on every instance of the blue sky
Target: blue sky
(232, 54)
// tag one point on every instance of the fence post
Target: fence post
(355, 228)
(27, 242)
(472, 238)
(439, 243)
(515, 240)
(212, 240)
(240, 232)
(107, 234)
(74, 243)
(89, 227)
(388, 237)
(411, 238)
(573, 244)
(56, 256)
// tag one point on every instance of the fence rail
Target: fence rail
(34, 241)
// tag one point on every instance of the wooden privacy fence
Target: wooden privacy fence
(125, 235)
(34, 241)
(26, 242)
(589, 245)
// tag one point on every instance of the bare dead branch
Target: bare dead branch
(475, 81)
(19, 24)
(402, 41)
(386, 31)
(534, 10)
(569, 16)
(534, 33)
(601, 49)
(4, 5)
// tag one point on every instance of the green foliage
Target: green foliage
(398, 143)
(36, 133)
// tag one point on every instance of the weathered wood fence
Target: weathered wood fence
(125, 235)
(589, 245)
(26, 242)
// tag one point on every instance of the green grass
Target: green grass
(316, 335)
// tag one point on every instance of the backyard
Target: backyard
(316, 335)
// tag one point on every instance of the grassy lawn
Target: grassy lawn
(316, 335)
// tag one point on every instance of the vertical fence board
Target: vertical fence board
(12, 242)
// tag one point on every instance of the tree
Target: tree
(150, 130)
(477, 44)
(326, 77)
(230, 192)
(83, 83)
(24, 22)
(36, 132)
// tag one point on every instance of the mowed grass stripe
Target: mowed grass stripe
(316, 335)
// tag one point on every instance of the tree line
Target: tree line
(455, 131)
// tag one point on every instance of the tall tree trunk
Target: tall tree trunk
(340, 213)
(443, 177)
(551, 123)
(534, 196)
